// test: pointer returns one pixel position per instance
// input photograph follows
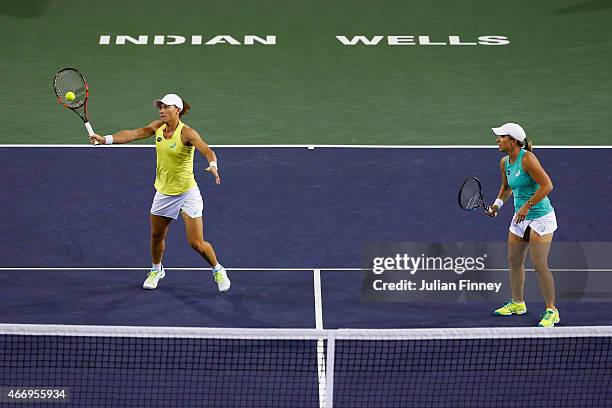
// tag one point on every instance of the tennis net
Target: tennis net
(188, 367)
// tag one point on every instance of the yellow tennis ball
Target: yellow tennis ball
(70, 96)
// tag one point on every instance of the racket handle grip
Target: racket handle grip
(90, 131)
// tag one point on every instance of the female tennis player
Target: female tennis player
(534, 221)
(177, 191)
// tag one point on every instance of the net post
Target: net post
(331, 345)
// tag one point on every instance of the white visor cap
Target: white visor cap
(170, 99)
(510, 129)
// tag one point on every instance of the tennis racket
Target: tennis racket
(70, 80)
(470, 195)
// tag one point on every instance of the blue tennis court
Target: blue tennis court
(277, 208)
(289, 227)
(80, 208)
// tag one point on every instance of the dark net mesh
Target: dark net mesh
(164, 372)
(503, 368)
(471, 373)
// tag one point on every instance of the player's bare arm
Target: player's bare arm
(126, 136)
(532, 165)
(190, 137)
(504, 191)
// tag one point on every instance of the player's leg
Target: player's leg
(159, 230)
(517, 251)
(194, 228)
(539, 249)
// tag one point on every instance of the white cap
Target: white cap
(510, 129)
(170, 99)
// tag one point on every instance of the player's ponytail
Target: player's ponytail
(186, 107)
(527, 144)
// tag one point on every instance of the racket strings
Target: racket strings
(470, 195)
(70, 80)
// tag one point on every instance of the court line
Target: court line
(310, 146)
(317, 300)
(281, 269)
(320, 342)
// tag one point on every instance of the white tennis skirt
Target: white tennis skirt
(546, 224)
(171, 206)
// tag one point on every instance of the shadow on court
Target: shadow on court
(587, 6)
(24, 9)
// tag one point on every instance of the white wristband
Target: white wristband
(499, 203)
(213, 164)
(108, 139)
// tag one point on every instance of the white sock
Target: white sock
(216, 268)
(157, 267)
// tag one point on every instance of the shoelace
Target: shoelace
(547, 315)
(218, 277)
(152, 274)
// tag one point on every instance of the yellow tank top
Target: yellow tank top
(174, 173)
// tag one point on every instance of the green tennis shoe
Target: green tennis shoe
(549, 318)
(510, 308)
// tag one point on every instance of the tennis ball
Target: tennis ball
(70, 96)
